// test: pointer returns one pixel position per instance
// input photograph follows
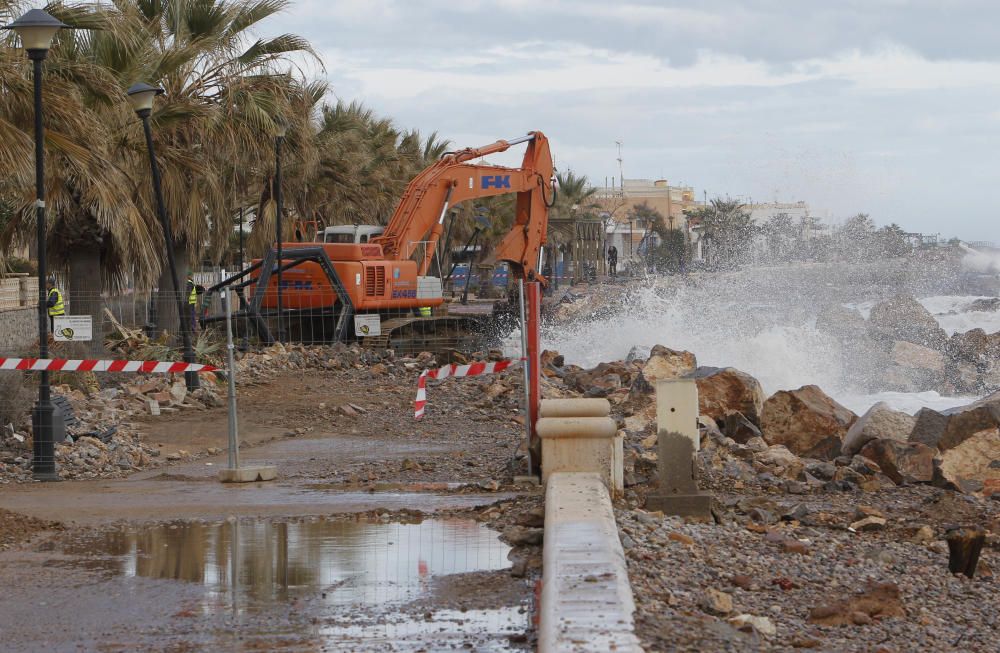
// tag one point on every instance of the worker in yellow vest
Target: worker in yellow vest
(53, 302)
(192, 300)
(424, 311)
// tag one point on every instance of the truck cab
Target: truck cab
(356, 233)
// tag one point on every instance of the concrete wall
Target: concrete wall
(587, 602)
(18, 330)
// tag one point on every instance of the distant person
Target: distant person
(54, 303)
(613, 261)
(193, 290)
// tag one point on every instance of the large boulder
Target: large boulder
(987, 304)
(840, 322)
(726, 390)
(929, 427)
(964, 376)
(663, 363)
(917, 357)
(880, 421)
(972, 346)
(784, 463)
(904, 318)
(951, 428)
(807, 421)
(601, 378)
(972, 463)
(903, 462)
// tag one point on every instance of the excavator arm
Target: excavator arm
(419, 218)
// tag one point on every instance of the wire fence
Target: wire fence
(474, 311)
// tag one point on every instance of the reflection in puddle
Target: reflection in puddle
(371, 582)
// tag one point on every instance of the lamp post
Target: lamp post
(141, 97)
(36, 30)
(280, 128)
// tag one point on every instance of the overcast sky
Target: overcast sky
(890, 107)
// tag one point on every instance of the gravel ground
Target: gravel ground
(783, 571)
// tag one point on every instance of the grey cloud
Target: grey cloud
(775, 31)
(923, 158)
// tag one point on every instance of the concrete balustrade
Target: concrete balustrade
(575, 408)
(578, 436)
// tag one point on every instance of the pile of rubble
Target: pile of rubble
(104, 440)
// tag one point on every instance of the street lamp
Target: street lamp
(36, 30)
(280, 129)
(141, 97)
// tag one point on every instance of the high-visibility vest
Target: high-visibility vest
(193, 295)
(425, 311)
(58, 308)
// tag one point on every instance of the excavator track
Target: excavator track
(412, 335)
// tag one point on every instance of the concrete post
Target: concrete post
(23, 294)
(677, 443)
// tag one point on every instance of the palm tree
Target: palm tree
(575, 199)
(93, 223)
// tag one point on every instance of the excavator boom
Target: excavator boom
(419, 218)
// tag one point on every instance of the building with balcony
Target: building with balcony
(627, 232)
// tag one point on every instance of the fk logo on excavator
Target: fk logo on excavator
(496, 181)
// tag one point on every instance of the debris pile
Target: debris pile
(105, 439)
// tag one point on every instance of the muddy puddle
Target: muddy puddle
(437, 584)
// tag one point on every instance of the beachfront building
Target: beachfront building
(624, 229)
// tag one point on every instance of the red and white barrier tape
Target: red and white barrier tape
(473, 369)
(66, 365)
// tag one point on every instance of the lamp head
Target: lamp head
(141, 95)
(280, 126)
(36, 28)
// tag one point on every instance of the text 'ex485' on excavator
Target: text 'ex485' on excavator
(383, 280)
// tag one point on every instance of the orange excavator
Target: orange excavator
(383, 281)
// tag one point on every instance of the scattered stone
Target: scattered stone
(878, 600)
(749, 623)
(924, 534)
(523, 535)
(680, 537)
(795, 546)
(742, 581)
(716, 602)
(869, 524)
